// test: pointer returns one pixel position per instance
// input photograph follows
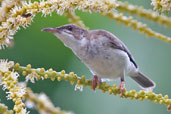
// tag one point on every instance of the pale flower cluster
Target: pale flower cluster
(10, 26)
(6, 5)
(78, 87)
(32, 77)
(48, 104)
(5, 65)
(42, 103)
(4, 109)
(15, 90)
(162, 5)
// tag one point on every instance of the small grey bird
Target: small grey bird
(103, 53)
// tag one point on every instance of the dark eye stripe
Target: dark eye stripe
(69, 28)
(68, 32)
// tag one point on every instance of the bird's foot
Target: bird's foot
(121, 88)
(95, 81)
(169, 107)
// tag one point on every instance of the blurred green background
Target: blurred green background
(42, 49)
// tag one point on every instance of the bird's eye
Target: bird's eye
(69, 28)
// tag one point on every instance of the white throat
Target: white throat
(69, 41)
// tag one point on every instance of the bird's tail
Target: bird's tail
(143, 81)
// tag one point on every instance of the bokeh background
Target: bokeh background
(42, 49)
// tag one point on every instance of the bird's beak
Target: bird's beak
(52, 30)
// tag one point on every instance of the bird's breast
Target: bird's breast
(104, 62)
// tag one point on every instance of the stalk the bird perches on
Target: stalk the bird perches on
(103, 53)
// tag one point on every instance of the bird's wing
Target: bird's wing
(114, 43)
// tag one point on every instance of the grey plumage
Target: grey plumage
(115, 43)
(143, 81)
(102, 52)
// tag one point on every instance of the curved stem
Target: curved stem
(82, 81)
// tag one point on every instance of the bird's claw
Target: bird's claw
(169, 107)
(95, 81)
(121, 88)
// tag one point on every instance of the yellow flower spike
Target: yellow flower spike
(18, 110)
(161, 101)
(38, 77)
(115, 92)
(78, 82)
(136, 95)
(18, 102)
(24, 73)
(104, 83)
(22, 104)
(110, 91)
(15, 17)
(14, 99)
(150, 92)
(12, 95)
(133, 92)
(4, 109)
(166, 101)
(153, 95)
(155, 101)
(166, 97)
(142, 28)
(9, 78)
(97, 87)
(59, 78)
(144, 13)
(63, 72)
(141, 95)
(72, 82)
(91, 87)
(71, 73)
(6, 74)
(66, 78)
(124, 89)
(74, 76)
(114, 86)
(73, 18)
(142, 92)
(141, 99)
(17, 65)
(159, 95)
(16, 91)
(146, 97)
(46, 76)
(41, 104)
(86, 82)
(161, 5)
(103, 91)
(83, 77)
(52, 78)
(106, 86)
(131, 98)
(50, 70)
(42, 70)
(33, 70)
(6, 7)
(28, 66)
(15, 82)
(151, 99)
(126, 93)
(11, 86)
(54, 73)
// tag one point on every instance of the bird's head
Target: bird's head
(69, 31)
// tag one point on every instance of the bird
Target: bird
(105, 55)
